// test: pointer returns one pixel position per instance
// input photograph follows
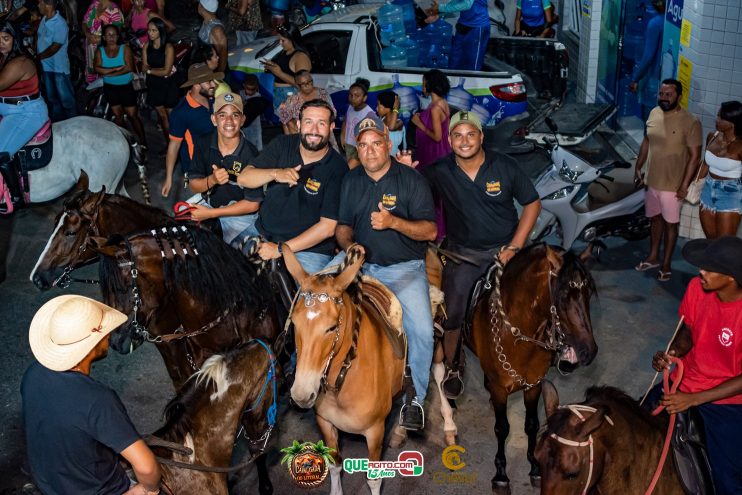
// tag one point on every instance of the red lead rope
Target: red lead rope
(668, 437)
(183, 210)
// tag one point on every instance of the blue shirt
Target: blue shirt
(52, 31)
(649, 65)
(532, 11)
(474, 13)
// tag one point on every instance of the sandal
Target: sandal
(664, 276)
(645, 265)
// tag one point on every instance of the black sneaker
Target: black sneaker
(453, 384)
(412, 416)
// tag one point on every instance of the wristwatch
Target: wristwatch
(280, 248)
(149, 71)
(511, 247)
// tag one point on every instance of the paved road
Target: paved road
(633, 316)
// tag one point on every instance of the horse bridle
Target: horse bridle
(577, 410)
(64, 280)
(555, 334)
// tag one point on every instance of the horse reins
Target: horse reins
(577, 410)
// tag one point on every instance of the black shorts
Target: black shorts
(120, 95)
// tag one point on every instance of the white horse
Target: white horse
(98, 146)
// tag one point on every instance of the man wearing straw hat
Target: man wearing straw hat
(75, 426)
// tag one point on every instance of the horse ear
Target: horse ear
(556, 260)
(102, 246)
(354, 259)
(93, 201)
(550, 396)
(83, 182)
(593, 422)
(293, 265)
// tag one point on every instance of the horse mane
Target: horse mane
(112, 282)
(219, 277)
(131, 205)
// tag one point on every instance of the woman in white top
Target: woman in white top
(721, 197)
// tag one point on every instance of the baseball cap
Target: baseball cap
(722, 255)
(210, 5)
(465, 118)
(225, 99)
(370, 122)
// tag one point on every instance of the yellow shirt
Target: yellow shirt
(671, 135)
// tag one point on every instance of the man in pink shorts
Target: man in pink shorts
(671, 148)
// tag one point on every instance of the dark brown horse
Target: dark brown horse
(607, 445)
(87, 214)
(536, 313)
(205, 415)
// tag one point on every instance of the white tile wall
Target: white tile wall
(587, 70)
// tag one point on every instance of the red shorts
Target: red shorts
(662, 202)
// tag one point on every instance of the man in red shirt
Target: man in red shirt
(710, 345)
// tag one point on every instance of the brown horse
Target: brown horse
(205, 414)
(331, 331)
(537, 312)
(87, 214)
(607, 444)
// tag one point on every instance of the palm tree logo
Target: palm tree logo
(308, 462)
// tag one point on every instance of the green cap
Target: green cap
(465, 118)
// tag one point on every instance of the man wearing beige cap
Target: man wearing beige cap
(478, 191)
(75, 426)
(218, 159)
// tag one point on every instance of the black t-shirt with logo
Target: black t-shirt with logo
(287, 211)
(480, 214)
(206, 154)
(404, 193)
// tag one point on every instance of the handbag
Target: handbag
(138, 80)
(696, 186)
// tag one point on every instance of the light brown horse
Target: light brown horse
(623, 440)
(206, 413)
(328, 329)
(536, 312)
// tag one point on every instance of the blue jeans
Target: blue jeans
(311, 262)
(409, 282)
(20, 123)
(60, 95)
(467, 50)
(233, 225)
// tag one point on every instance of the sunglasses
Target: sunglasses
(305, 83)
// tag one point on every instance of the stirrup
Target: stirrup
(452, 385)
(414, 404)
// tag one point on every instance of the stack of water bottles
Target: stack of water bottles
(407, 46)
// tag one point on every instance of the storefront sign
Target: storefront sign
(674, 12)
(587, 7)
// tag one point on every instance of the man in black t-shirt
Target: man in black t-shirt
(75, 426)
(218, 160)
(301, 175)
(482, 223)
(388, 209)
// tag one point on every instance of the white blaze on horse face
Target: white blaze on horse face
(311, 314)
(48, 244)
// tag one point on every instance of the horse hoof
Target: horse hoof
(450, 437)
(399, 437)
(536, 481)
(501, 488)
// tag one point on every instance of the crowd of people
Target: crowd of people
(320, 197)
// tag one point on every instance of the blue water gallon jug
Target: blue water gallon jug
(393, 57)
(434, 57)
(411, 49)
(408, 102)
(278, 5)
(408, 14)
(391, 24)
(444, 34)
(482, 113)
(460, 98)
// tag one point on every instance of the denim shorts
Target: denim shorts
(724, 196)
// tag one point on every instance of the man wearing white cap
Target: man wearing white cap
(212, 31)
(75, 426)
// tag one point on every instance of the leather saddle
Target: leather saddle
(36, 154)
(379, 302)
(689, 454)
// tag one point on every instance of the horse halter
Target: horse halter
(64, 280)
(577, 410)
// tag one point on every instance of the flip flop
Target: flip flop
(664, 276)
(644, 266)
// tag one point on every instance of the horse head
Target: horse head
(67, 247)
(572, 458)
(571, 287)
(317, 316)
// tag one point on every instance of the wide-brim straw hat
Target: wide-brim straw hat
(64, 330)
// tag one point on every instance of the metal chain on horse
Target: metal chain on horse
(497, 313)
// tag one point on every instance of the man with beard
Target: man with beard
(710, 345)
(301, 176)
(478, 192)
(672, 143)
(218, 160)
(190, 119)
(388, 209)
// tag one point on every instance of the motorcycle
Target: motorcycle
(581, 201)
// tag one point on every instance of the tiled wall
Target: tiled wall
(587, 67)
